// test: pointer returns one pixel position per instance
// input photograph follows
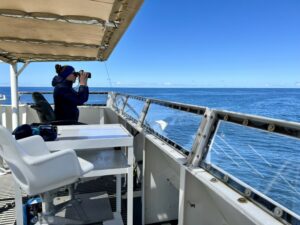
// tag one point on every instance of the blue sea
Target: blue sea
(265, 161)
(280, 103)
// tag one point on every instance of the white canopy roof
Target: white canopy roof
(62, 30)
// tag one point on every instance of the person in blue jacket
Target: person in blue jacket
(66, 99)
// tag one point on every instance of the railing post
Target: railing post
(202, 137)
(125, 103)
(3, 117)
(144, 112)
(111, 101)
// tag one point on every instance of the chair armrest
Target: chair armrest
(65, 163)
(34, 145)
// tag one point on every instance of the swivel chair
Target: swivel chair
(37, 171)
(43, 108)
(46, 113)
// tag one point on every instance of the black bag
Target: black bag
(47, 132)
(22, 131)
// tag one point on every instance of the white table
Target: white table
(94, 143)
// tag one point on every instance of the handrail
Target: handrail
(194, 109)
(51, 92)
(205, 134)
(174, 105)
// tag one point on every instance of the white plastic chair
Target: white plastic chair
(37, 170)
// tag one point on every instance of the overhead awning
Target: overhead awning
(62, 30)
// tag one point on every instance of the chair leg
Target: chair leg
(47, 203)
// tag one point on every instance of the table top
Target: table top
(80, 137)
(75, 132)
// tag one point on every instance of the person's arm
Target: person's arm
(77, 98)
(82, 94)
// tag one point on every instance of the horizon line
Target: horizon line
(170, 87)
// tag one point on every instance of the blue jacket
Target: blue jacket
(66, 99)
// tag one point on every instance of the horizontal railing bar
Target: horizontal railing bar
(262, 123)
(127, 116)
(92, 104)
(174, 105)
(51, 92)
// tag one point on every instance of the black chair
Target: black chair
(46, 113)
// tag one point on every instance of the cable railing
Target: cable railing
(166, 120)
(256, 156)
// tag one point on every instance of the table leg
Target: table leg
(118, 193)
(130, 187)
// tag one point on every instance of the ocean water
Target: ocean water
(278, 103)
(269, 163)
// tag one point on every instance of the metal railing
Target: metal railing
(96, 93)
(279, 130)
(205, 139)
(141, 119)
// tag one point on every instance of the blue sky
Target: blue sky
(197, 43)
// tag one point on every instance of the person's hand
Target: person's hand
(83, 79)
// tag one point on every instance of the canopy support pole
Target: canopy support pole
(14, 95)
(14, 73)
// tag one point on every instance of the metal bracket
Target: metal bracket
(22, 69)
(144, 112)
(204, 132)
(125, 103)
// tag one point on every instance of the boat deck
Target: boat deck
(7, 199)
(103, 184)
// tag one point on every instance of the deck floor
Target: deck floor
(103, 184)
(7, 197)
